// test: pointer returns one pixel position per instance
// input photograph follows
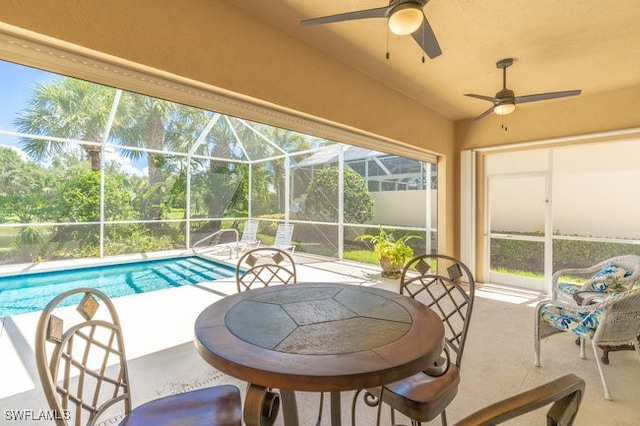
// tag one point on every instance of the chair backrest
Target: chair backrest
(81, 359)
(620, 321)
(627, 264)
(614, 274)
(250, 232)
(264, 266)
(564, 394)
(439, 282)
(284, 235)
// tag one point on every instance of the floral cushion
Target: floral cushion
(569, 288)
(612, 271)
(579, 323)
(601, 280)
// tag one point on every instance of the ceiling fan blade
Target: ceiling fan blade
(426, 38)
(545, 96)
(484, 114)
(380, 12)
(483, 97)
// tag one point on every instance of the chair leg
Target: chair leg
(443, 417)
(371, 401)
(582, 353)
(320, 405)
(607, 394)
(536, 338)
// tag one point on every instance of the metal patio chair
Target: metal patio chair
(83, 369)
(265, 266)
(445, 285)
(564, 394)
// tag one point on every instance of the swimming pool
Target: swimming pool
(31, 292)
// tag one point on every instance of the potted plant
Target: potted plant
(391, 253)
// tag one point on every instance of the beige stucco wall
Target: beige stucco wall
(215, 43)
(581, 115)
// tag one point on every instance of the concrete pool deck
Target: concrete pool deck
(158, 329)
(151, 321)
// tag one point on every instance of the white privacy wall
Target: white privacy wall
(407, 208)
(595, 190)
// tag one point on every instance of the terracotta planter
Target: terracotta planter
(390, 270)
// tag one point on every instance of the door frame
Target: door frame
(526, 283)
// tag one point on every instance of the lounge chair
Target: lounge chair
(249, 235)
(284, 234)
(247, 240)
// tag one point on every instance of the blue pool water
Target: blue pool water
(31, 292)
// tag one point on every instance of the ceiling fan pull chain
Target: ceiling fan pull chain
(422, 37)
(388, 56)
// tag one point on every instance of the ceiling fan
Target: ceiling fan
(404, 17)
(505, 101)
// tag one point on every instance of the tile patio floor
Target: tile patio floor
(498, 361)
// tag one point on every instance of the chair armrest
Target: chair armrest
(576, 271)
(564, 393)
(587, 272)
(573, 307)
(585, 297)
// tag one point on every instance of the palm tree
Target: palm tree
(66, 108)
(143, 124)
(290, 142)
(229, 179)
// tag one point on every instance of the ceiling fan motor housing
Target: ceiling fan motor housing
(506, 95)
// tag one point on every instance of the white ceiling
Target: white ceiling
(593, 45)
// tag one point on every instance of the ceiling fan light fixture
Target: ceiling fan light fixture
(406, 19)
(504, 108)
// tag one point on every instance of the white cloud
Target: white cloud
(19, 151)
(125, 163)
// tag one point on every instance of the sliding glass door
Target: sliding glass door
(517, 226)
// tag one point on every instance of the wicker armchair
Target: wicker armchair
(621, 271)
(564, 394)
(612, 321)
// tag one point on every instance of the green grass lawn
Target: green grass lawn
(364, 256)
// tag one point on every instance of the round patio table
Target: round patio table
(317, 337)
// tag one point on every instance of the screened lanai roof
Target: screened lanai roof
(213, 135)
(53, 113)
(330, 154)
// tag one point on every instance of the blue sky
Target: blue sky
(16, 86)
